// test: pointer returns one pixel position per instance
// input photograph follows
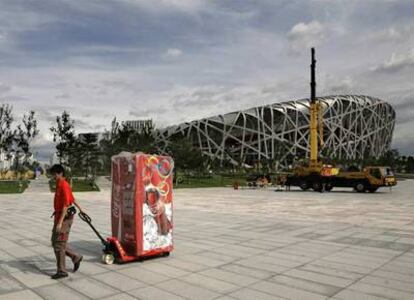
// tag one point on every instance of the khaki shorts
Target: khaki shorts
(64, 234)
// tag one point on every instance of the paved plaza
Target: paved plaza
(229, 244)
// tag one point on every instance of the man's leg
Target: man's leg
(60, 256)
(75, 257)
(59, 241)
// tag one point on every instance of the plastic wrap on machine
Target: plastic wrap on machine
(142, 206)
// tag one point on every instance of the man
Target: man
(62, 222)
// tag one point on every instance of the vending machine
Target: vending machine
(141, 205)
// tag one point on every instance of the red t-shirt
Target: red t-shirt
(63, 197)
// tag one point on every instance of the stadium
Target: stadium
(354, 127)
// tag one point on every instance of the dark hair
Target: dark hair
(57, 169)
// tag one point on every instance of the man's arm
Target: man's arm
(77, 205)
(62, 217)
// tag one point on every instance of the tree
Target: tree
(390, 158)
(64, 136)
(122, 137)
(25, 134)
(6, 133)
(186, 156)
(88, 142)
(409, 166)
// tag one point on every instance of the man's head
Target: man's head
(57, 171)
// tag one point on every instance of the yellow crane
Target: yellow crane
(315, 119)
(322, 177)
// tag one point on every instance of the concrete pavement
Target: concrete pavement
(244, 244)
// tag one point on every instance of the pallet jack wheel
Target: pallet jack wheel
(108, 258)
(165, 254)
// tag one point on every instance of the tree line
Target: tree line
(16, 140)
(89, 155)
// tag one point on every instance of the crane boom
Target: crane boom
(314, 114)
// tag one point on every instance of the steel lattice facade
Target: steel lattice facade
(355, 127)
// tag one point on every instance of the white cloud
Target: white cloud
(396, 62)
(306, 35)
(393, 34)
(172, 53)
(334, 85)
(186, 6)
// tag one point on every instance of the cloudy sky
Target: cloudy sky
(180, 60)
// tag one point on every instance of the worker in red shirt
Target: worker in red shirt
(63, 219)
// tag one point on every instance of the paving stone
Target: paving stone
(165, 269)
(33, 279)
(59, 291)
(341, 266)
(318, 277)
(91, 288)
(26, 295)
(354, 295)
(400, 246)
(331, 272)
(381, 291)
(9, 284)
(143, 275)
(88, 268)
(284, 291)
(225, 298)
(119, 281)
(187, 290)
(230, 277)
(122, 296)
(406, 240)
(243, 270)
(256, 263)
(290, 257)
(389, 283)
(307, 285)
(153, 293)
(218, 256)
(392, 275)
(186, 265)
(217, 285)
(202, 260)
(249, 294)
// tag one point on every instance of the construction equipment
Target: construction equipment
(323, 177)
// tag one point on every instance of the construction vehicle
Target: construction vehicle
(323, 177)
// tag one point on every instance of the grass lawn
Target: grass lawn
(209, 181)
(78, 185)
(13, 186)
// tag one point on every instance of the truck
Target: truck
(324, 177)
(368, 180)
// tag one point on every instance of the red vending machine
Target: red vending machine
(141, 206)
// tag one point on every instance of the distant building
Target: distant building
(5, 161)
(139, 125)
(8, 159)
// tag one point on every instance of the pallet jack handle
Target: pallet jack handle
(84, 217)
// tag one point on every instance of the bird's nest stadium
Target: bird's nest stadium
(355, 127)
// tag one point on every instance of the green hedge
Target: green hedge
(198, 181)
(13, 186)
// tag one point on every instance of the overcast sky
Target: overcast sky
(180, 60)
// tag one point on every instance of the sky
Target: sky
(181, 60)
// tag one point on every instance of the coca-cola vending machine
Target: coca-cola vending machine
(142, 205)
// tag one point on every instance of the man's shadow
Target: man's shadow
(45, 263)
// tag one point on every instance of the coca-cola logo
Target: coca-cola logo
(116, 202)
